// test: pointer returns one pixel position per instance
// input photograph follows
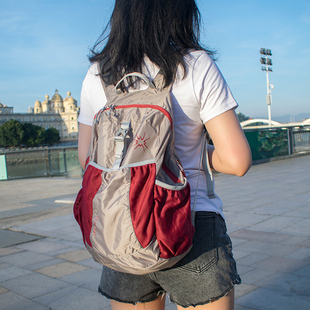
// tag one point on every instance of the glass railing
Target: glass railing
(41, 162)
(63, 161)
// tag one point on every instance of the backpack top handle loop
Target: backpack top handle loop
(137, 74)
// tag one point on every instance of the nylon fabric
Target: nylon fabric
(136, 225)
(90, 185)
(173, 230)
(141, 198)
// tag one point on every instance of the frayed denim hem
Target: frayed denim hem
(236, 282)
(160, 293)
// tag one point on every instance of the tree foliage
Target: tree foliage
(242, 117)
(14, 133)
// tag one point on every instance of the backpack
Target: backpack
(134, 205)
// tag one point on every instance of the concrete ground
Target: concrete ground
(43, 263)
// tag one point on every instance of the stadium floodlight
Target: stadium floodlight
(267, 63)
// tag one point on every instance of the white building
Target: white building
(56, 112)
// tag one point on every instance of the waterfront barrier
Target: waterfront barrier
(265, 143)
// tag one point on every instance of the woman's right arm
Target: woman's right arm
(84, 143)
(231, 153)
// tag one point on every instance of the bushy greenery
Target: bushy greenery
(242, 117)
(14, 133)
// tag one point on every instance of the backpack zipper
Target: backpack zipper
(151, 106)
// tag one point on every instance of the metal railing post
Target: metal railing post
(290, 141)
(49, 162)
(65, 161)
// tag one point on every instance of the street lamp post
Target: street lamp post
(267, 63)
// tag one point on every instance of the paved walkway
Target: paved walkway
(43, 264)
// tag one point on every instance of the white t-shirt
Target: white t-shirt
(202, 95)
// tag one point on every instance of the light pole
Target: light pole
(267, 63)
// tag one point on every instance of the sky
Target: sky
(44, 46)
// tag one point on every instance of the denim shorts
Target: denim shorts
(207, 273)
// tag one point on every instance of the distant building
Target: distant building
(4, 109)
(59, 113)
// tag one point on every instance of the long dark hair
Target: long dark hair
(162, 30)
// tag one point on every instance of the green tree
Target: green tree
(30, 134)
(14, 133)
(242, 117)
(11, 133)
(51, 136)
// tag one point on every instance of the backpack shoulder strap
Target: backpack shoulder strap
(159, 81)
(109, 89)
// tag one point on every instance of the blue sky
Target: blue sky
(44, 45)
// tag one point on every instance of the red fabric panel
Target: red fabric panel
(141, 199)
(83, 206)
(174, 230)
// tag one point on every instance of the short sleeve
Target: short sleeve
(211, 89)
(92, 96)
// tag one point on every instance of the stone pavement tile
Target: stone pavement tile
(4, 265)
(276, 224)
(76, 236)
(300, 241)
(304, 271)
(42, 246)
(259, 236)
(3, 290)
(24, 258)
(46, 263)
(291, 301)
(236, 241)
(231, 227)
(271, 210)
(238, 307)
(10, 237)
(295, 284)
(81, 299)
(88, 278)
(49, 298)
(12, 301)
(232, 208)
(281, 264)
(272, 249)
(76, 247)
(301, 253)
(33, 285)
(266, 298)
(60, 270)
(303, 212)
(67, 231)
(302, 229)
(242, 269)
(9, 250)
(252, 259)
(91, 263)
(239, 254)
(170, 306)
(12, 272)
(255, 275)
(75, 256)
(248, 219)
(243, 289)
(47, 226)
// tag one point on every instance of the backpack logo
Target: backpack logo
(140, 142)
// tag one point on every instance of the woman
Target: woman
(148, 36)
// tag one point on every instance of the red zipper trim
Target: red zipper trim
(167, 114)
